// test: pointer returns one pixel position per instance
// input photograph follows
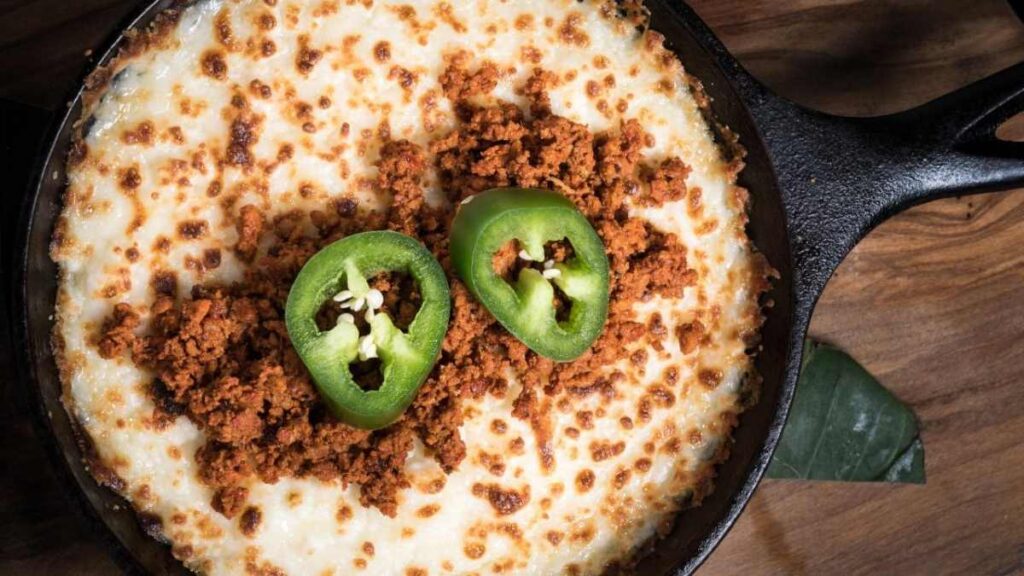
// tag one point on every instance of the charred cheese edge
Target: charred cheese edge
(155, 155)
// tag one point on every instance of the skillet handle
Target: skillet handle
(968, 118)
(841, 176)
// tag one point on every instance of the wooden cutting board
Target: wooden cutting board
(932, 302)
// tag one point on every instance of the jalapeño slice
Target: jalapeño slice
(526, 306)
(340, 271)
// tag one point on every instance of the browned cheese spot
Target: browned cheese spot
(260, 90)
(690, 336)
(254, 566)
(428, 510)
(671, 375)
(531, 54)
(327, 8)
(141, 134)
(404, 77)
(307, 57)
(120, 285)
(517, 445)
(603, 450)
(445, 13)
(434, 486)
(211, 258)
(250, 521)
(493, 462)
(213, 64)
(710, 378)
(638, 358)
(344, 514)
(584, 481)
(130, 179)
(621, 478)
(570, 31)
(222, 29)
(382, 51)
(474, 550)
(164, 283)
(583, 533)
(662, 397)
(505, 501)
(266, 21)
(585, 419)
(162, 244)
(192, 229)
(242, 138)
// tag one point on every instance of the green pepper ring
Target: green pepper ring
(406, 357)
(534, 217)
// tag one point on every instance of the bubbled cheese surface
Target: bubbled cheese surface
(112, 240)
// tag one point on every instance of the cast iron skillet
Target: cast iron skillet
(818, 184)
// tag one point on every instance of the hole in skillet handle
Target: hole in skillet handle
(1012, 130)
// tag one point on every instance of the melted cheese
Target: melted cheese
(581, 515)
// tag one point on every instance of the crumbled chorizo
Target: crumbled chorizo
(460, 84)
(667, 182)
(223, 358)
(242, 138)
(536, 91)
(119, 332)
(399, 171)
(249, 226)
(230, 501)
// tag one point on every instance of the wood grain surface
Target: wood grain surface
(932, 302)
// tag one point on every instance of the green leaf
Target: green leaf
(845, 426)
(909, 467)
